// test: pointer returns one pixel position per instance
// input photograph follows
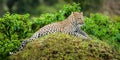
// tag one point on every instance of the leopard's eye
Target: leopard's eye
(80, 23)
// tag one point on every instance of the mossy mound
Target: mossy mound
(65, 47)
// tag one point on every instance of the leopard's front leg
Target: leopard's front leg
(80, 35)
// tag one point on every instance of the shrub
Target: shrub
(65, 47)
(103, 28)
(13, 27)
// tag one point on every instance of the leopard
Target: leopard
(71, 25)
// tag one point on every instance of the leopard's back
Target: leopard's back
(48, 29)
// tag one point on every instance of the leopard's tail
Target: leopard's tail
(23, 44)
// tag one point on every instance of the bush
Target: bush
(13, 28)
(65, 47)
(102, 27)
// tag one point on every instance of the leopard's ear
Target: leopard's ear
(81, 13)
(72, 13)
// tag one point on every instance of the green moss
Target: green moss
(61, 46)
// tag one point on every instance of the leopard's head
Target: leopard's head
(78, 18)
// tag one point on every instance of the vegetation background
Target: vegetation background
(19, 19)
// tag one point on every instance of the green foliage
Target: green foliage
(16, 25)
(65, 47)
(102, 27)
(13, 28)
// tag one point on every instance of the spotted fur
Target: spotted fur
(70, 25)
